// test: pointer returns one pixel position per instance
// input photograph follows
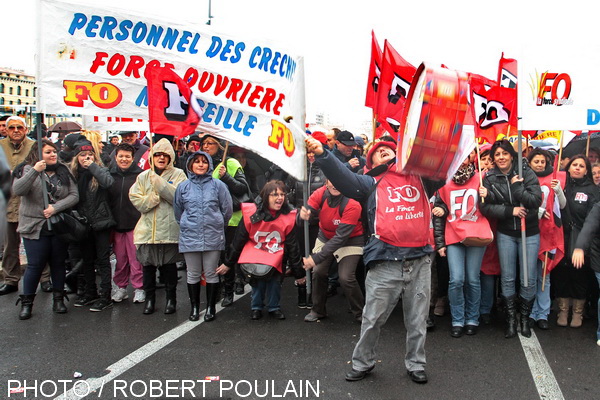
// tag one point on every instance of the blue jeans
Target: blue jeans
(508, 249)
(542, 303)
(598, 332)
(464, 289)
(46, 250)
(272, 289)
(488, 285)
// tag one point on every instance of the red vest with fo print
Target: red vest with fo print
(266, 238)
(464, 218)
(403, 216)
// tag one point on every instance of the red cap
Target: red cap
(320, 136)
(391, 145)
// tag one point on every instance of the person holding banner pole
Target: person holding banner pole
(42, 245)
(552, 247)
(509, 198)
(156, 234)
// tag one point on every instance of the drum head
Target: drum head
(437, 104)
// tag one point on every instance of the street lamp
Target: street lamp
(209, 13)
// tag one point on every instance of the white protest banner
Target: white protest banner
(96, 123)
(558, 87)
(91, 61)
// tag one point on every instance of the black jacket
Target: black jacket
(504, 196)
(125, 214)
(581, 196)
(344, 159)
(95, 207)
(589, 237)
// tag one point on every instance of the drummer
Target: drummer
(397, 253)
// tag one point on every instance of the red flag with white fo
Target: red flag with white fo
(172, 107)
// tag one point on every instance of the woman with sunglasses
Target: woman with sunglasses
(156, 235)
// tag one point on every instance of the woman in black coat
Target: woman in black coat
(512, 200)
(93, 182)
(571, 283)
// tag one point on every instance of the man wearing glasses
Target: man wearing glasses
(16, 147)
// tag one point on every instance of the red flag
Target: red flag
(394, 85)
(507, 72)
(552, 241)
(169, 100)
(494, 108)
(374, 73)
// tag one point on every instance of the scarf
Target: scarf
(84, 177)
(463, 174)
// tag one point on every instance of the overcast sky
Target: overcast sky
(334, 35)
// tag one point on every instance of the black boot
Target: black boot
(301, 296)
(228, 284)
(238, 286)
(212, 290)
(58, 304)
(194, 293)
(26, 305)
(71, 279)
(149, 276)
(510, 306)
(169, 272)
(526, 306)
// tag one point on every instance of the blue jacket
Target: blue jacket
(202, 208)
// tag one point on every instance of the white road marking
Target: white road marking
(131, 360)
(542, 374)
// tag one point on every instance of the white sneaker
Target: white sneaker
(598, 342)
(139, 296)
(119, 295)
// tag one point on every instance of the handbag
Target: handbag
(257, 271)
(70, 225)
(476, 241)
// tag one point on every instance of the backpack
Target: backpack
(343, 203)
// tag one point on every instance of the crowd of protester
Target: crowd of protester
(229, 217)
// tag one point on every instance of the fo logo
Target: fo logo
(406, 193)
(553, 89)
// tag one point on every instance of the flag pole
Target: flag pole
(560, 141)
(524, 266)
(479, 166)
(545, 270)
(38, 131)
(587, 144)
(305, 187)
(374, 126)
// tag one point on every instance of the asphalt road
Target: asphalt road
(121, 353)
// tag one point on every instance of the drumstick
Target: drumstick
(545, 270)
(479, 167)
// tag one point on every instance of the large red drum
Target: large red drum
(433, 121)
